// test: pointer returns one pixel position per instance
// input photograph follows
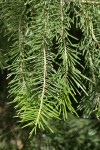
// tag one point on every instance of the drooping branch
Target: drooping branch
(91, 65)
(86, 2)
(44, 73)
(43, 88)
(21, 52)
(90, 2)
(63, 38)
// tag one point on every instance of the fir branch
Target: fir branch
(63, 37)
(92, 32)
(86, 2)
(43, 88)
(90, 2)
(47, 84)
(21, 51)
(91, 65)
(44, 72)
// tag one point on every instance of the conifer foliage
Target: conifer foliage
(44, 34)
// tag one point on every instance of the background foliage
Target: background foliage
(50, 53)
